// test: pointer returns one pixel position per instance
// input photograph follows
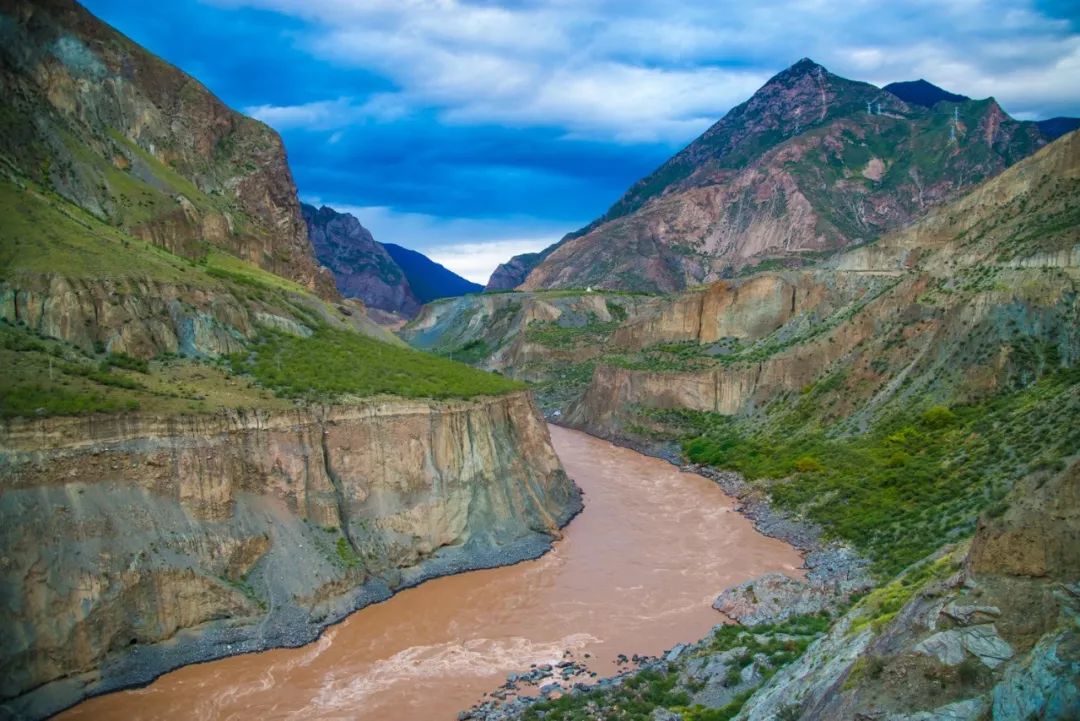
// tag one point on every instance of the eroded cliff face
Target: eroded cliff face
(141, 145)
(974, 297)
(133, 544)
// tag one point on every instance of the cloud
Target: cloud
(476, 261)
(341, 112)
(662, 71)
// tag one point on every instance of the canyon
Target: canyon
(848, 314)
(615, 583)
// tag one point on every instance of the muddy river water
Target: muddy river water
(636, 572)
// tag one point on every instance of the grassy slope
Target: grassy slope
(43, 234)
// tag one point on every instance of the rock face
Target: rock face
(387, 277)
(134, 544)
(137, 143)
(145, 317)
(800, 168)
(917, 310)
(512, 273)
(361, 266)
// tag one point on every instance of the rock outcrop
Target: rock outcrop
(133, 544)
(139, 144)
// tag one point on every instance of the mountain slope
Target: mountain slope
(801, 168)
(362, 267)
(141, 146)
(429, 280)
(916, 400)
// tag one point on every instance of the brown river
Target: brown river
(636, 572)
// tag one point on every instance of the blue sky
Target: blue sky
(476, 130)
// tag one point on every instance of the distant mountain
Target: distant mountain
(920, 92)
(361, 266)
(384, 276)
(513, 272)
(1056, 127)
(429, 280)
(810, 164)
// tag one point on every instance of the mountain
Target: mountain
(205, 450)
(907, 412)
(920, 92)
(383, 275)
(429, 280)
(143, 147)
(1054, 128)
(512, 273)
(810, 164)
(362, 267)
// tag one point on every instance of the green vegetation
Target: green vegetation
(913, 481)
(593, 333)
(332, 364)
(883, 603)
(345, 553)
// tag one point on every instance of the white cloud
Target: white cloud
(342, 112)
(476, 261)
(664, 70)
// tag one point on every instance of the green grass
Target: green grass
(912, 482)
(334, 364)
(42, 233)
(553, 335)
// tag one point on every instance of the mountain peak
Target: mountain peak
(922, 92)
(804, 66)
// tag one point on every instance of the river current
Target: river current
(636, 572)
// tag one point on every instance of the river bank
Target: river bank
(637, 571)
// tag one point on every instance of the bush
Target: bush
(334, 363)
(807, 464)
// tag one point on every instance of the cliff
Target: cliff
(812, 163)
(137, 543)
(142, 146)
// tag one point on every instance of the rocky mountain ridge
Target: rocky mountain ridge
(383, 276)
(810, 164)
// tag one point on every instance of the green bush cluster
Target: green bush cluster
(333, 363)
(913, 481)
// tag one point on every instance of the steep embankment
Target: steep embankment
(812, 163)
(137, 543)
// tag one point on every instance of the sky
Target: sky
(476, 130)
